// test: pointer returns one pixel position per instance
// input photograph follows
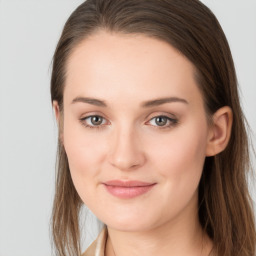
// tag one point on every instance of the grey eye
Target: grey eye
(96, 120)
(161, 120)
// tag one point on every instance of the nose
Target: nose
(126, 151)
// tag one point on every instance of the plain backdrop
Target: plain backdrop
(29, 31)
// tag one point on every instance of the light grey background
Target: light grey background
(29, 30)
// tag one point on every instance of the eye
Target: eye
(163, 121)
(93, 121)
(97, 122)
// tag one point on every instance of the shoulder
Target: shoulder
(97, 248)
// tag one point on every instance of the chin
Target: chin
(130, 224)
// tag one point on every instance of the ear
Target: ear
(220, 131)
(57, 113)
(56, 110)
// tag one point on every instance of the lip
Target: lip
(127, 189)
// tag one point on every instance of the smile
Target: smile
(127, 189)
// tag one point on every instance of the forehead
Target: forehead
(132, 66)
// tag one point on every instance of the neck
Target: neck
(178, 237)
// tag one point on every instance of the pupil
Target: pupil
(96, 120)
(161, 121)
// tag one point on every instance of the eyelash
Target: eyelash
(172, 122)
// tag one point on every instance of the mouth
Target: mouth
(127, 189)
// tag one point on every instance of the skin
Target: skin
(124, 71)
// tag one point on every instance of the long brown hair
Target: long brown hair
(225, 206)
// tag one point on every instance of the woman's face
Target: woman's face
(135, 130)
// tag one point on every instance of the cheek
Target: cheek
(179, 158)
(84, 154)
(83, 149)
(183, 151)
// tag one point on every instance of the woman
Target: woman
(152, 137)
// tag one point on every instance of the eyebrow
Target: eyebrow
(145, 104)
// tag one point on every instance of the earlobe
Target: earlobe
(220, 131)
